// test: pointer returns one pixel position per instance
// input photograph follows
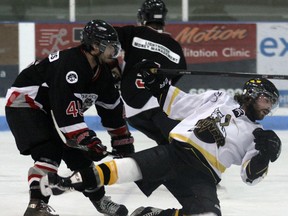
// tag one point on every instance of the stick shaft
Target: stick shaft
(223, 74)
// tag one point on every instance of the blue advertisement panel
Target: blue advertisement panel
(8, 73)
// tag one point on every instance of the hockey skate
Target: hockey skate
(107, 207)
(146, 211)
(39, 208)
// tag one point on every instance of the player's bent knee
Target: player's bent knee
(39, 170)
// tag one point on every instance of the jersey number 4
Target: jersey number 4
(74, 109)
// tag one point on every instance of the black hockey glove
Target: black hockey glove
(267, 143)
(122, 146)
(154, 82)
(92, 145)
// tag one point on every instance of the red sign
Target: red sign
(53, 37)
(207, 43)
(202, 43)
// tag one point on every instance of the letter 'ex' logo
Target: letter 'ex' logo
(238, 112)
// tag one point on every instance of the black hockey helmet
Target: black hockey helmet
(260, 86)
(152, 11)
(101, 33)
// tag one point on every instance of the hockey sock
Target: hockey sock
(35, 173)
(96, 194)
(94, 177)
(107, 173)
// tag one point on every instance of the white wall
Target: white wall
(26, 44)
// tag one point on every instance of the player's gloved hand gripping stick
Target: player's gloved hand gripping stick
(155, 82)
(86, 141)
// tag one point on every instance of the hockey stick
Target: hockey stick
(47, 189)
(222, 74)
(72, 143)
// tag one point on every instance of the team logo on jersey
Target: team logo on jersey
(87, 99)
(238, 112)
(212, 129)
(216, 96)
(72, 77)
(53, 56)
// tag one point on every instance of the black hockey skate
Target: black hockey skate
(39, 208)
(146, 211)
(56, 185)
(107, 207)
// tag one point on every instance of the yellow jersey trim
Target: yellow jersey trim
(210, 158)
(174, 95)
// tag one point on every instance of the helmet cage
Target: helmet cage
(110, 46)
(257, 91)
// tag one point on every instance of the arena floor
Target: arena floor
(269, 197)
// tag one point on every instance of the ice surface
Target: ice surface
(268, 198)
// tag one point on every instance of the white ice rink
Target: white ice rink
(268, 198)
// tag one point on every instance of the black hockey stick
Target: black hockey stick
(72, 143)
(222, 74)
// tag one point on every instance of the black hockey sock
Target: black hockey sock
(170, 212)
(96, 194)
(35, 193)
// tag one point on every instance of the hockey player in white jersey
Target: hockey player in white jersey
(215, 132)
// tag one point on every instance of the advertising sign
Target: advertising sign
(53, 37)
(210, 43)
(216, 47)
(8, 74)
(202, 43)
(272, 42)
(9, 44)
(9, 59)
(272, 55)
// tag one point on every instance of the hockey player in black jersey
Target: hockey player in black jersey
(148, 41)
(54, 93)
(215, 132)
